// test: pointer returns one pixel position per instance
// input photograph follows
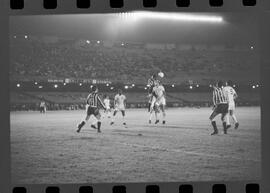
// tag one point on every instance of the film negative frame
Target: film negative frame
(33, 7)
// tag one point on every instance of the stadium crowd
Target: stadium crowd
(32, 58)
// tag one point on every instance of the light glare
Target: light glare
(136, 15)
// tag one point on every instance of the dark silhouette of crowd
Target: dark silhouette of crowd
(32, 58)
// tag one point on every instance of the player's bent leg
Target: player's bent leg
(162, 107)
(224, 124)
(114, 113)
(123, 115)
(213, 122)
(98, 117)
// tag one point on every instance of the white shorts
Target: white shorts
(231, 107)
(119, 108)
(161, 101)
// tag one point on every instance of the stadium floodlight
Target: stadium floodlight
(18, 85)
(251, 47)
(40, 86)
(80, 84)
(257, 85)
(173, 85)
(122, 44)
(36, 83)
(87, 41)
(145, 88)
(98, 41)
(107, 84)
(253, 86)
(133, 85)
(15, 36)
(25, 36)
(191, 87)
(111, 88)
(64, 83)
(188, 17)
(126, 87)
(197, 85)
(55, 86)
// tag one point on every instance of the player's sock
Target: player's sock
(228, 121)
(98, 126)
(236, 125)
(234, 118)
(80, 126)
(109, 114)
(93, 126)
(225, 127)
(112, 121)
(150, 116)
(164, 116)
(124, 123)
(214, 127)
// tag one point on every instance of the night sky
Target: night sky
(237, 28)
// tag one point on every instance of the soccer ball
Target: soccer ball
(161, 74)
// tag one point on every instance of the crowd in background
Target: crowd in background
(32, 59)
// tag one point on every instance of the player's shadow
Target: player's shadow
(82, 138)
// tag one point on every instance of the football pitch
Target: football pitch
(45, 148)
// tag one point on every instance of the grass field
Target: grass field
(46, 149)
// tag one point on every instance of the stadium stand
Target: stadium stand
(33, 58)
(42, 59)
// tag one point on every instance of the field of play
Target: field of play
(45, 148)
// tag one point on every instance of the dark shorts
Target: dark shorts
(92, 111)
(221, 109)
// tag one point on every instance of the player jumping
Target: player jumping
(92, 102)
(119, 105)
(232, 95)
(151, 84)
(160, 102)
(220, 101)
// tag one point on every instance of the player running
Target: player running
(119, 105)
(92, 108)
(232, 95)
(108, 106)
(160, 102)
(220, 101)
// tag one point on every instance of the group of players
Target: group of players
(223, 99)
(157, 103)
(224, 103)
(93, 104)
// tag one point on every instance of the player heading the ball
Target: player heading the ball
(93, 102)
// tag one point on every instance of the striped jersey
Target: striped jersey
(93, 100)
(219, 96)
